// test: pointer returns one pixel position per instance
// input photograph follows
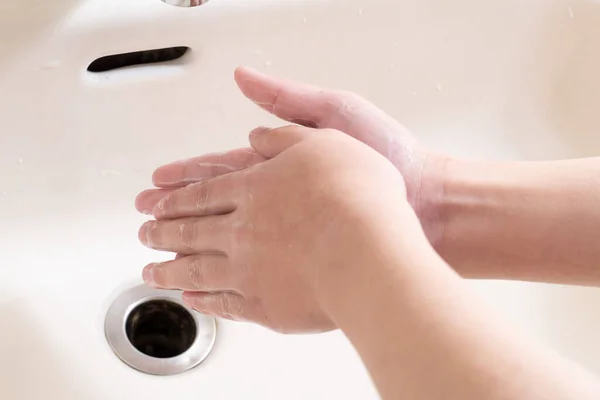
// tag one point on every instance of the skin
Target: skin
(306, 220)
(532, 221)
(487, 220)
(294, 234)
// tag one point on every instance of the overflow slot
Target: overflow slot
(137, 58)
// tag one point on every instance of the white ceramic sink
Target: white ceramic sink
(502, 79)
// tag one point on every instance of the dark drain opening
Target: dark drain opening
(153, 56)
(161, 328)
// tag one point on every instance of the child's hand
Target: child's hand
(267, 244)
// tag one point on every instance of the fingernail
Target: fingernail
(260, 130)
(148, 275)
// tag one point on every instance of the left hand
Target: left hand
(315, 107)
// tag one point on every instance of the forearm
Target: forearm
(536, 221)
(423, 335)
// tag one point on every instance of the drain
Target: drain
(161, 328)
(154, 332)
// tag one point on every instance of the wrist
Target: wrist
(428, 193)
(468, 204)
(400, 260)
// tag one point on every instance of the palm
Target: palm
(343, 111)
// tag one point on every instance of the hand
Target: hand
(270, 243)
(328, 109)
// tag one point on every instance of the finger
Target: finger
(148, 199)
(215, 196)
(205, 272)
(187, 235)
(271, 142)
(226, 305)
(182, 173)
(316, 107)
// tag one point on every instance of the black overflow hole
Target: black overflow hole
(153, 56)
(161, 328)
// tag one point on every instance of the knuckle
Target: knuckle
(223, 306)
(153, 234)
(161, 206)
(247, 158)
(275, 105)
(188, 234)
(195, 273)
(228, 307)
(168, 205)
(343, 102)
(349, 97)
(215, 169)
(201, 196)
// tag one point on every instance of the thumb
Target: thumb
(271, 142)
(322, 108)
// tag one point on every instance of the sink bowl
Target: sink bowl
(499, 79)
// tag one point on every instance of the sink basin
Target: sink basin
(489, 80)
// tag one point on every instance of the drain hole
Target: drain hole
(161, 328)
(115, 61)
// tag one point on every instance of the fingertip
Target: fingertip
(148, 275)
(271, 142)
(259, 131)
(257, 86)
(244, 72)
(143, 233)
(146, 201)
(142, 202)
(168, 175)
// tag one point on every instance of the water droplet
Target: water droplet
(268, 64)
(571, 13)
(305, 20)
(20, 161)
(53, 64)
(109, 172)
(360, 11)
(439, 88)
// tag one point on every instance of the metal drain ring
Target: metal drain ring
(116, 335)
